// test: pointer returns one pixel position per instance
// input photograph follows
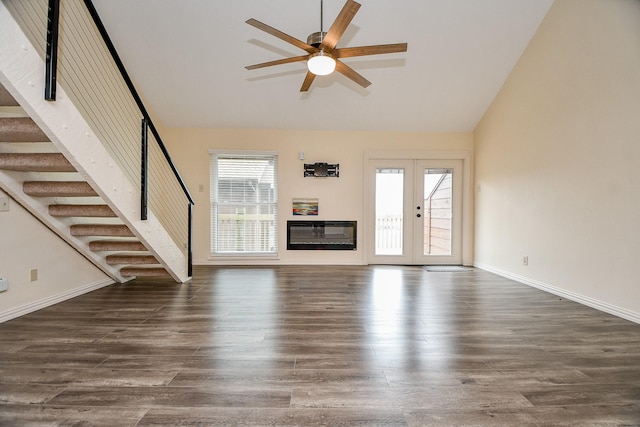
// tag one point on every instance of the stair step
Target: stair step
(6, 100)
(58, 189)
(101, 230)
(20, 129)
(102, 211)
(144, 271)
(35, 162)
(131, 259)
(116, 245)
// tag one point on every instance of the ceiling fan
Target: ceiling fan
(322, 55)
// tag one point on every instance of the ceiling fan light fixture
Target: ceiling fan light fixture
(321, 51)
(321, 64)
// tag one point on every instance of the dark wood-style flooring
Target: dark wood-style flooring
(334, 346)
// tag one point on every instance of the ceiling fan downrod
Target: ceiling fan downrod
(321, 16)
(315, 39)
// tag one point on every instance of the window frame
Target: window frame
(214, 204)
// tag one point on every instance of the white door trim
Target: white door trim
(467, 192)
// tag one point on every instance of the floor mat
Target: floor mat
(446, 268)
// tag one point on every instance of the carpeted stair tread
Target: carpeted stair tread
(101, 230)
(35, 162)
(131, 259)
(102, 211)
(6, 100)
(116, 245)
(143, 271)
(58, 189)
(20, 129)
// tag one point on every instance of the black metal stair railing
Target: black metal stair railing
(144, 170)
(112, 50)
(53, 16)
(147, 122)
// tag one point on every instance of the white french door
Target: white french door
(416, 213)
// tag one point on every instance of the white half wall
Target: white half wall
(62, 273)
(558, 156)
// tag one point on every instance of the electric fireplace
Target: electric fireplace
(322, 235)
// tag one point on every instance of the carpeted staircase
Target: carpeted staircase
(75, 211)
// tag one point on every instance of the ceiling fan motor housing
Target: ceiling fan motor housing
(315, 39)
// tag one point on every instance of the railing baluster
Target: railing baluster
(51, 60)
(190, 241)
(144, 169)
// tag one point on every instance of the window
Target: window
(244, 203)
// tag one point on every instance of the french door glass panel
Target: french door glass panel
(437, 207)
(389, 212)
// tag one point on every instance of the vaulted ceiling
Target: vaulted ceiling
(187, 59)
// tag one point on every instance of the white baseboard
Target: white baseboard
(581, 299)
(55, 299)
(271, 263)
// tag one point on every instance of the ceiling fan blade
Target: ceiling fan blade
(278, 62)
(282, 36)
(307, 81)
(350, 73)
(339, 26)
(379, 49)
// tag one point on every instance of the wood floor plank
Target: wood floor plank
(265, 417)
(227, 397)
(578, 416)
(585, 394)
(87, 377)
(517, 379)
(22, 358)
(441, 397)
(298, 378)
(29, 394)
(51, 415)
(231, 360)
(295, 346)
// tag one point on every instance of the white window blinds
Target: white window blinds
(244, 203)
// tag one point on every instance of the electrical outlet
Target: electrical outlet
(4, 284)
(525, 260)
(33, 274)
(4, 203)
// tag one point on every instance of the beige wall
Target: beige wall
(340, 198)
(558, 159)
(62, 272)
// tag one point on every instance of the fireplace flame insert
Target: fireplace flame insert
(322, 235)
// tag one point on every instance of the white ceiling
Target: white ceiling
(187, 59)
